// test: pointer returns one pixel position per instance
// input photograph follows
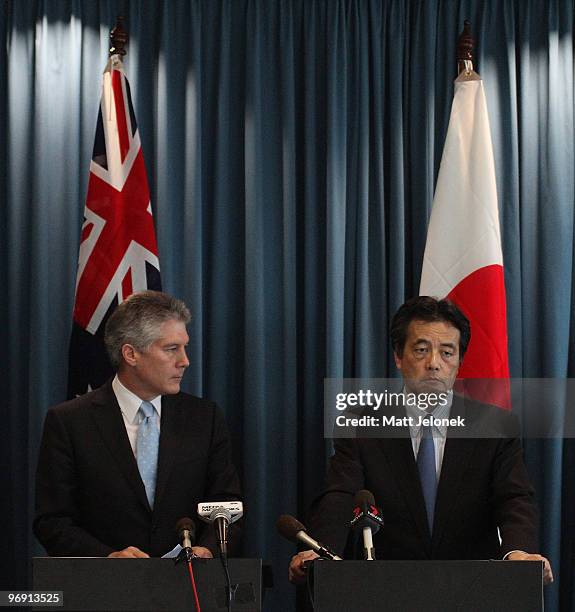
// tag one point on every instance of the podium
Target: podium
(430, 586)
(148, 584)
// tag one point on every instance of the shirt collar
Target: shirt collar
(130, 403)
(441, 411)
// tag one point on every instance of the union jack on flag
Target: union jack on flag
(118, 249)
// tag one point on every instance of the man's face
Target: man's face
(430, 359)
(159, 369)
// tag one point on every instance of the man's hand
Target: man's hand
(523, 556)
(129, 553)
(297, 572)
(202, 552)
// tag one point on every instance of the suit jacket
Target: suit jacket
(483, 485)
(90, 499)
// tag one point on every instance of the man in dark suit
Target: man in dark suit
(475, 481)
(113, 479)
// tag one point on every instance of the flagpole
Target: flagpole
(119, 38)
(464, 55)
(465, 47)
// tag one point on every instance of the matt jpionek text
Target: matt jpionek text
(372, 399)
(392, 421)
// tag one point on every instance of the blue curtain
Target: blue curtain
(292, 149)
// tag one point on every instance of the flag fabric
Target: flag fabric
(118, 249)
(463, 259)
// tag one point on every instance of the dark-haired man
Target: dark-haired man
(119, 466)
(471, 486)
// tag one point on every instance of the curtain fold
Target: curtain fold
(292, 149)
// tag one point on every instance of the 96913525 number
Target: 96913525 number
(31, 598)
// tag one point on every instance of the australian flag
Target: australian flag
(118, 249)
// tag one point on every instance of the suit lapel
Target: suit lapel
(170, 438)
(456, 457)
(399, 452)
(108, 418)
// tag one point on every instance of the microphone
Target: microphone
(367, 517)
(221, 515)
(293, 530)
(186, 530)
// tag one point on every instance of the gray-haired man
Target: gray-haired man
(119, 466)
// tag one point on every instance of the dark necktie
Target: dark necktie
(427, 474)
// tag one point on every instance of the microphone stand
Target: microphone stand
(187, 535)
(221, 526)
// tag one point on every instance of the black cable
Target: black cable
(309, 582)
(224, 559)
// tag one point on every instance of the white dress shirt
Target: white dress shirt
(439, 432)
(130, 406)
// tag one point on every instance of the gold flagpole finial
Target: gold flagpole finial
(465, 46)
(118, 38)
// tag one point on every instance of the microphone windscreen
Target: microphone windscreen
(364, 498)
(186, 523)
(289, 526)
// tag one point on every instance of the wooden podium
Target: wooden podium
(427, 586)
(148, 584)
